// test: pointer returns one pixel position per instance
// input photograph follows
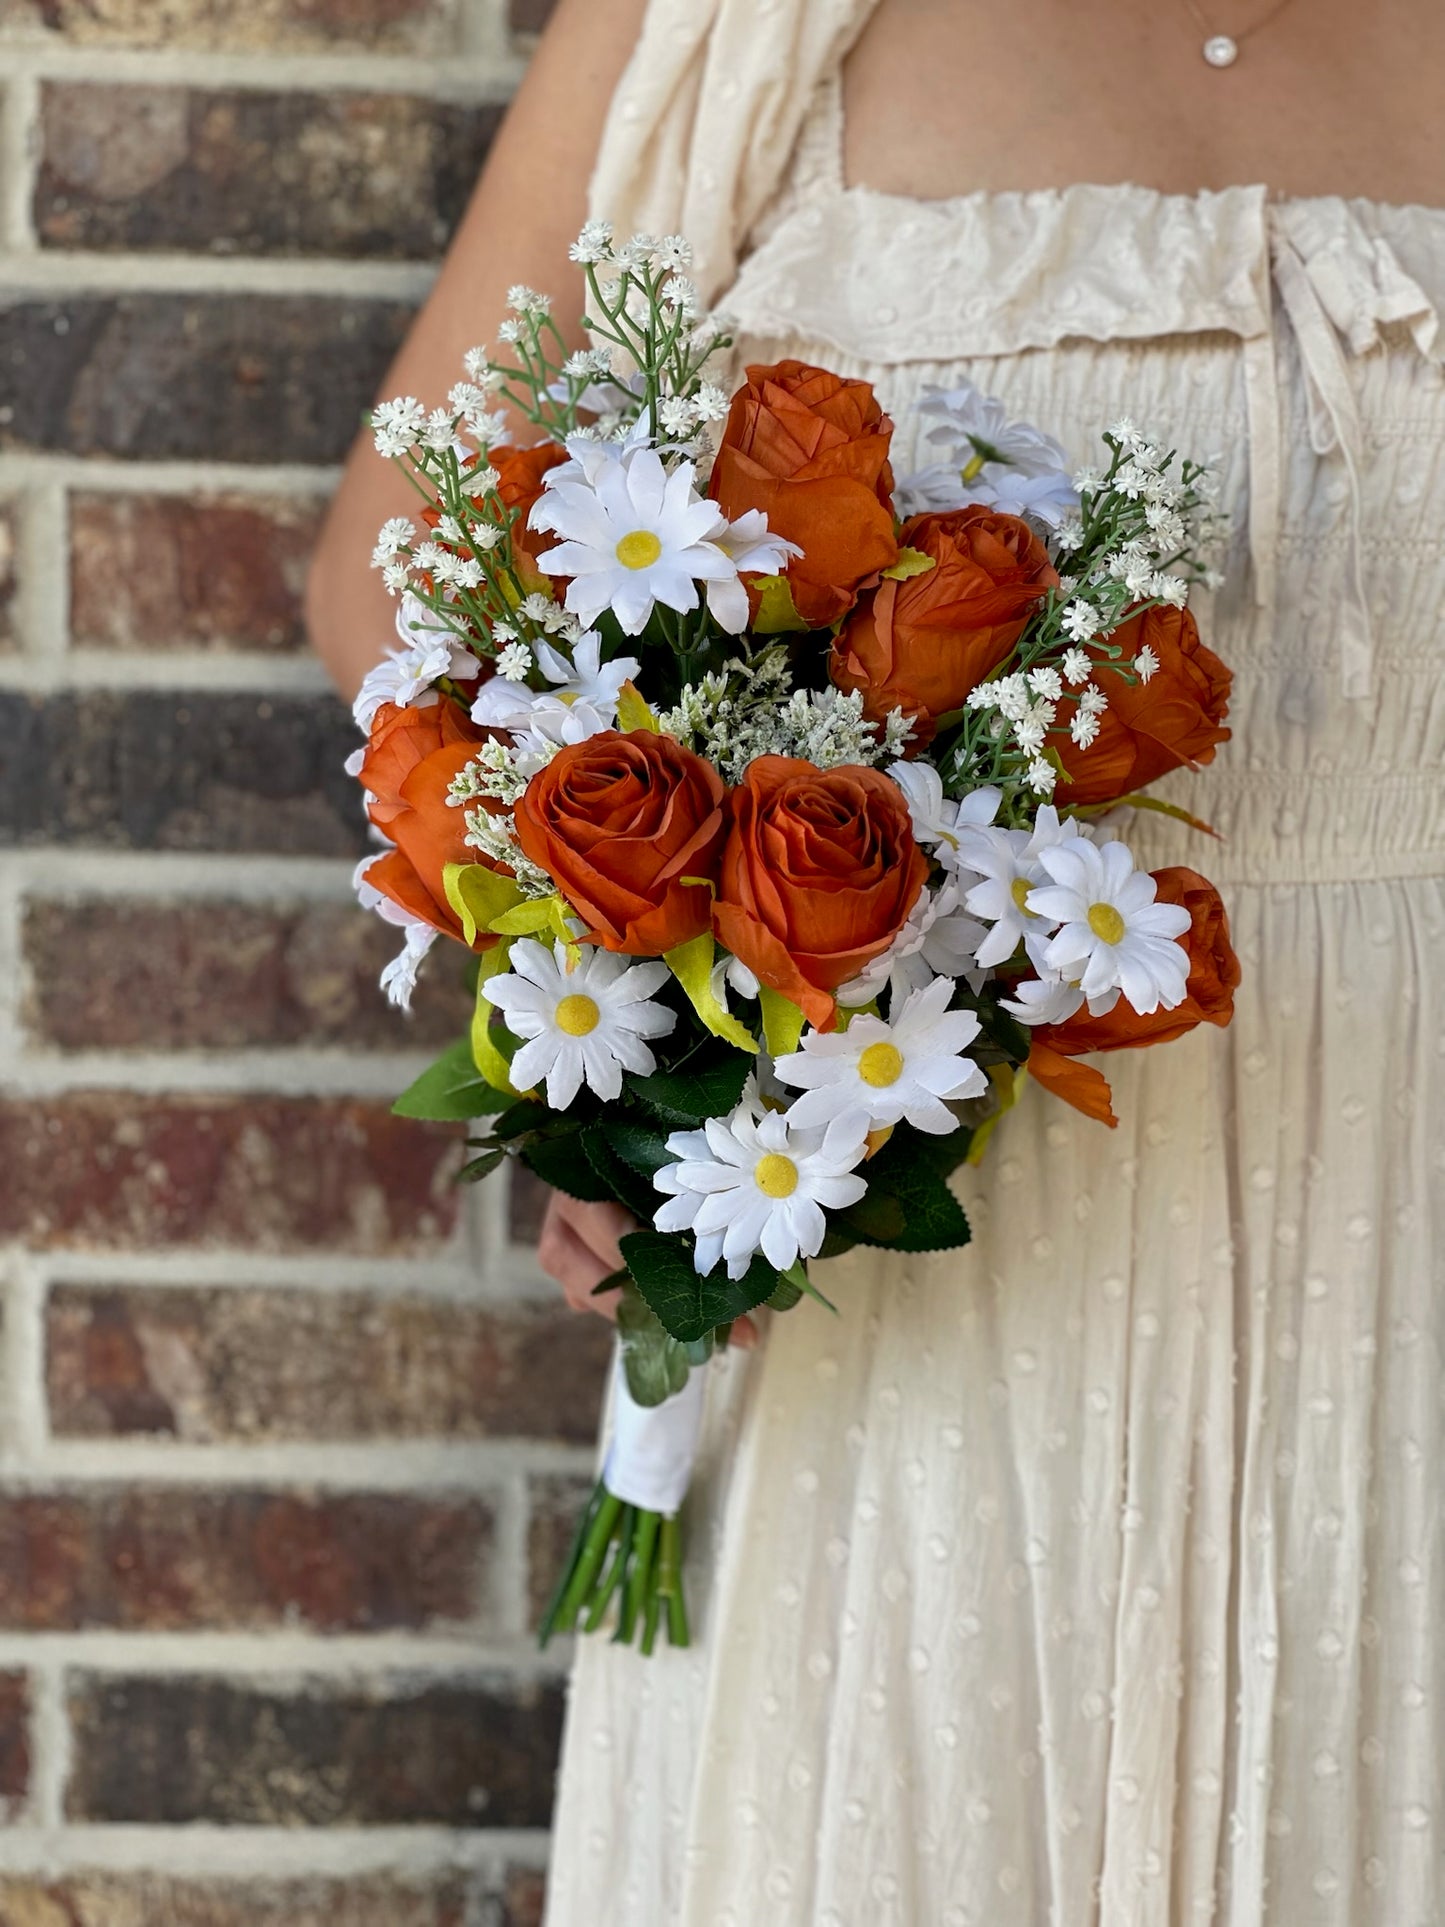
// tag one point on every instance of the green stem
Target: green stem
(588, 1566)
(669, 1580)
(638, 1581)
(579, 1539)
(615, 1573)
(652, 1612)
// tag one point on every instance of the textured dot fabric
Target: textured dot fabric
(1092, 1575)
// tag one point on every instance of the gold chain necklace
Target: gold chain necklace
(1222, 49)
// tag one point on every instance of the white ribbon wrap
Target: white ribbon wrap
(650, 1458)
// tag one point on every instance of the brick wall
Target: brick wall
(289, 1432)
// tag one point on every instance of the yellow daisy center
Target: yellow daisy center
(776, 1176)
(639, 550)
(1019, 889)
(577, 1015)
(1106, 923)
(881, 1065)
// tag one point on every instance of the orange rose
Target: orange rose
(921, 645)
(400, 738)
(619, 822)
(520, 472)
(819, 873)
(811, 450)
(1208, 999)
(1150, 727)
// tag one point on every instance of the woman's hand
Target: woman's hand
(579, 1248)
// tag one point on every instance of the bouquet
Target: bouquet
(779, 806)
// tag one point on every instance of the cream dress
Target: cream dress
(1094, 1574)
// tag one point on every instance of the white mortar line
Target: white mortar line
(342, 1073)
(394, 1465)
(287, 1661)
(191, 1851)
(105, 474)
(448, 1276)
(42, 592)
(244, 875)
(49, 1734)
(18, 117)
(51, 274)
(485, 73)
(512, 1519)
(23, 1423)
(218, 672)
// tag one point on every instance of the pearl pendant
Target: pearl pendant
(1220, 50)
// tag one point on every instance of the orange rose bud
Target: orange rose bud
(618, 822)
(811, 451)
(921, 645)
(1208, 999)
(400, 738)
(1149, 728)
(819, 874)
(429, 832)
(520, 474)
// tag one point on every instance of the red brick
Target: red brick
(192, 1749)
(14, 1741)
(112, 1169)
(525, 1898)
(246, 171)
(215, 975)
(189, 571)
(556, 1501)
(261, 26)
(242, 1363)
(158, 1559)
(160, 1900)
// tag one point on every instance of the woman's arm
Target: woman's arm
(527, 208)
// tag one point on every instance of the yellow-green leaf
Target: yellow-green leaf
(911, 562)
(632, 710)
(777, 612)
(478, 896)
(691, 964)
(782, 1022)
(1009, 1085)
(1138, 801)
(485, 1054)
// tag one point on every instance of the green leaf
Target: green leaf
(908, 1205)
(451, 1088)
(479, 1168)
(627, 1185)
(637, 1144)
(688, 1097)
(656, 1365)
(688, 1305)
(777, 613)
(563, 1163)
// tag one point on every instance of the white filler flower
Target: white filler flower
(1112, 933)
(887, 1073)
(754, 1182)
(585, 1024)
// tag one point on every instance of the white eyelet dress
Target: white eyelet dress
(1093, 1575)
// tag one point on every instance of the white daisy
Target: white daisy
(886, 1073)
(1112, 933)
(586, 676)
(938, 820)
(1012, 467)
(753, 550)
(1008, 862)
(939, 939)
(634, 535)
(583, 1024)
(755, 1181)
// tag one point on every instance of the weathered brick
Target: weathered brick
(150, 770)
(158, 1559)
(252, 1364)
(208, 974)
(14, 1741)
(189, 571)
(159, 1900)
(524, 1898)
(115, 1170)
(556, 1502)
(251, 172)
(183, 1750)
(216, 378)
(526, 1205)
(8, 578)
(262, 26)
